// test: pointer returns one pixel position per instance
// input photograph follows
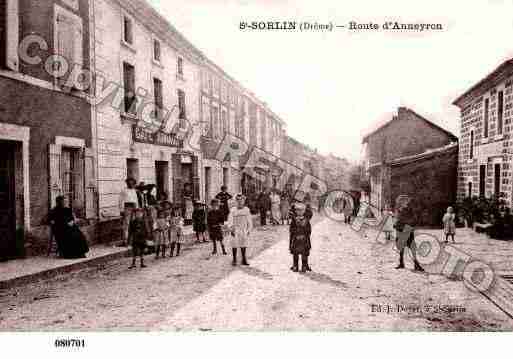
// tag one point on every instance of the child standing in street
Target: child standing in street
(240, 224)
(449, 224)
(198, 221)
(299, 244)
(389, 218)
(215, 220)
(175, 232)
(161, 233)
(138, 234)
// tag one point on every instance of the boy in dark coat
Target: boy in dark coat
(138, 234)
(405, 231)
(215, 221)
(300, 232)
(198, 221)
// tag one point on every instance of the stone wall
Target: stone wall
(430, 183)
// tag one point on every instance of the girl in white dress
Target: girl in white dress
(388, 227)
(176, 232)
(240, 224)
(449, 224)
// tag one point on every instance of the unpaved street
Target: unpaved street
(351, 277)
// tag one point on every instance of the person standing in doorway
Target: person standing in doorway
(240, 223)
(129, 200)
(223, 198)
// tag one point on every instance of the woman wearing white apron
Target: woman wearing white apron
(240, 224)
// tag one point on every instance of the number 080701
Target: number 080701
(69, 343)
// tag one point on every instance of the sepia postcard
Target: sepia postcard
(263, 166)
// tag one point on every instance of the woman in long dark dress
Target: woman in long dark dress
(71, 242)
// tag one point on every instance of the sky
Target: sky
(331, 88)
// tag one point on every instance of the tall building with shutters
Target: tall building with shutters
(227, 107)
(46, 137)
(153, 74)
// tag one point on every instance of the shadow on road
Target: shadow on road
(256, 273)
(325, 279)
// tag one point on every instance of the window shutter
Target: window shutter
(78, 51)
(12, 35)
(54, 175)
(177, 179)
(89, 184)
(195, 178)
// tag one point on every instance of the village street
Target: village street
(351, 277)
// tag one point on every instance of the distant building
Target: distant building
(413, 156)
(485, 159)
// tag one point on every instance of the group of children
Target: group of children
(163, 224)
(448, 223)
(166, 230)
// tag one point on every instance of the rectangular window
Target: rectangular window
(179, 67)
(215, 122)
(497, 184)
(224, 121)
(216, 87)
(68, 36)
(486, 110)
(128, 32)
(207, 118)
(500, 108)
(182, 111)
(471, 152)
(156, 50)
(225, 177)
(157, 93)
(132, 168)
(72, 177)
(205, 81)
(129, 87)
(482, 180)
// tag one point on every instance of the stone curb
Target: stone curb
(86, 263)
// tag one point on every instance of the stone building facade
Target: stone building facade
(46, 137)
(229, 108)
(485, 157)
(406, 134)
(158, 74)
